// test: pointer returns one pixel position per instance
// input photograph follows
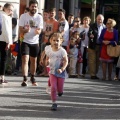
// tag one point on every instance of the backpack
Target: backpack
(0, 24)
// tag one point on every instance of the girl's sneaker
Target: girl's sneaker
(54, 107)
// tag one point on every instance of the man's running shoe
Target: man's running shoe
(34, 83)
(3, 81)
(24, 84)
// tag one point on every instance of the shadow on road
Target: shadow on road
(82, 99)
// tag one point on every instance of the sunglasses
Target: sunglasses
(108, 23)
(72, 39)
(77, 21)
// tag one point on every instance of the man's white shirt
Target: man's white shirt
(34, 22)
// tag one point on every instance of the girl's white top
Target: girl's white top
(56, 61)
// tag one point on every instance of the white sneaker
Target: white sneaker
(48, 90)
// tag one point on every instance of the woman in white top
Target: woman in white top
(84, 43)
(5, 37)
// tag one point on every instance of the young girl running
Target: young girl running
(58, 61)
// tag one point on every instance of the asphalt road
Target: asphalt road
(82, 99)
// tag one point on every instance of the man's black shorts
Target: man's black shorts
(29, 49)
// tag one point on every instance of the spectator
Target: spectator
(73, 57)
(84, 43)
(117, 59)
(108, 36)
(63, 27)
(94, 46)
(5, 38)
(45, 19)
(51, 26)
(70, 20)
(77, 26)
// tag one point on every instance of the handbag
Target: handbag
(113, 51)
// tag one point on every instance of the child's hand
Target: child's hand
(47, 62)
(41, 62)
(59, 71)
(91, 36)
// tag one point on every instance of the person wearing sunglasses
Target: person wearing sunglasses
(108, 36)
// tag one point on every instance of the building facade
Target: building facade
(109, 8)
(70, 6)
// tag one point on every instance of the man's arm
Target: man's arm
(24, 30)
